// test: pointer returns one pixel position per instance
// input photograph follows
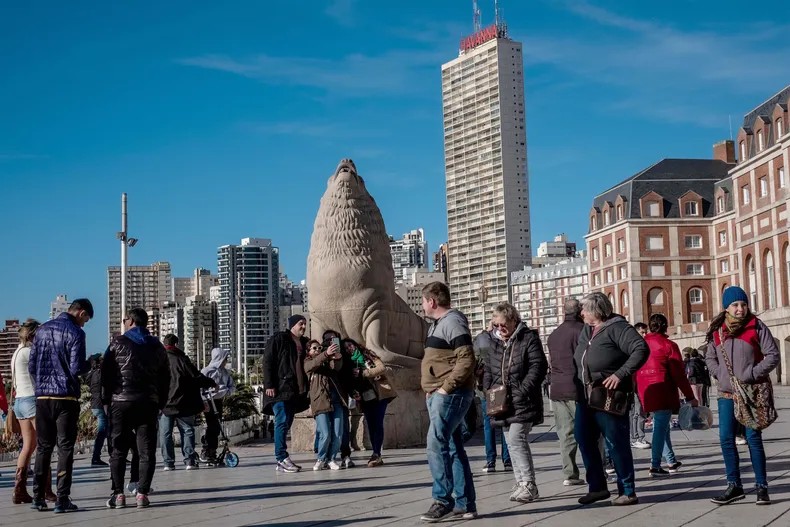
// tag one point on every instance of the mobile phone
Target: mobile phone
(336, 342)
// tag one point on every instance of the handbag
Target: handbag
(12, 426)
(498, 396)
(754, 403)
(600, 398)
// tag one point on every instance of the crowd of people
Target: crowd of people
(607, 376)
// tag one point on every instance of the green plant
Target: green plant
(241, 403)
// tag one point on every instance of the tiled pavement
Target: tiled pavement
(252, 494)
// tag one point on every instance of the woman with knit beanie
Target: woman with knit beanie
(740, 338)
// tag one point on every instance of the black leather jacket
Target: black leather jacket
(136, 369)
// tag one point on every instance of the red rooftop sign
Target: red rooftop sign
(481, 37)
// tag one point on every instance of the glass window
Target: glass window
(691, 208)
(696, 318)
(695, 268)
(743, 150)
(763, 186)
(720, 205)
(781, 177)
(695, 295)
(725, 266)
(760, 140)
(653, 209)
(722, 237)
(694, 241)
(607, 249)
(595, 254)
(779, 128)
(622, 272)
(746, 197)
(621, 245)
(770, 279)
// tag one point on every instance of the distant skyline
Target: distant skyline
(225, 121)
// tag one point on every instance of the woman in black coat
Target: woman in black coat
(521, 366)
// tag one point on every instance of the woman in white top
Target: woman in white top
(24, 408)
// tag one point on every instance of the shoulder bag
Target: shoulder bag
(600, 398)
(498, 396)
(754, 403)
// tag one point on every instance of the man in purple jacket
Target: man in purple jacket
(57, 359)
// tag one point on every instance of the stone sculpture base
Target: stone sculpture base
(405, 425)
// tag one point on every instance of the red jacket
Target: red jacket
(658, 381)
(3, 399)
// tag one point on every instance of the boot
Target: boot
(20, 494)
(48, 494)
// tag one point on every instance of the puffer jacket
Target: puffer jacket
(57, 358)
(562, 344)
(184, 398)
(325, 376)
(218, 373)
(615, 349)
(752, 352)
(525, 376)
(94, 381)
(135, 369)
(660, 378)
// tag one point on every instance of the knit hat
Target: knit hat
(294, 320)
(734, 294)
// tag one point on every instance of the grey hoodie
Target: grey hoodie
(220, 375)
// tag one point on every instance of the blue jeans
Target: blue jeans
(489, 435)
(446, 455)
(374, 417)
(329, 428)
(589, 425)
(662, 443)
(186, 427)
(101, 432)
(727, 427)
(283, 419)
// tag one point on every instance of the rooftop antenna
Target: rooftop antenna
(496, 12)
(499, 20)
(476, 16)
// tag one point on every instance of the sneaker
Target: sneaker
(39, 505)
(740, 440)
(320, 465)
(191, 465)
(529, 493)
(347, 462)
(624, 499)
(610, 468)
(516, 490)
(375, 461)
(99, 463)
(334, 465)
(65, 506)
(507, 466)
(570, 482)
(490, 467)
(168, 468)
(762, 496)
(436, 513)
(286, 465)
(657, 472)
(641, 444)
(116, 501)
(674, 467)
(131, 488)
(592, 497)
(462, 514)
(142, 501)
(733, 493)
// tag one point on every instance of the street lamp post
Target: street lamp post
(482, 296)
(126, 242)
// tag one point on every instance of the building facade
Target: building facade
(147, 287)
(409, 254)
(440, 261)
(200, 283)
(249, 296)
(200, 329)
(539, 293)
(554, 251)
(293, 301)
(9, 342)
(485, 152)
(171, 321)
(411, 292)
(59, 305)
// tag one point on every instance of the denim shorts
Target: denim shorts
(25, 407)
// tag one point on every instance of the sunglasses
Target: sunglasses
(316, 348)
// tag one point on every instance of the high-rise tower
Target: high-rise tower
(485, 151)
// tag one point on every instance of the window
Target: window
(624, 299)
(622, 273)
(596, 279)
(655, 297)
(746, 197)
(695, 295)
(760, 141)
(694, 241)
(620, 245)
(742, 144)
(763, 186)
(770, 280)
(720, 205)
(752, 281)
(655, 270)
(655, 243)
(619, 212)
(725, 266)
(607, 249)
(595, 254)
(779, 128)
(696, 318)
(691, 208)
(606, 218)
(781, 177)
(609, 277)
(653, 209)
(593, 223)
(722, 238)
(695, 268)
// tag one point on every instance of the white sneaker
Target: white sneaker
(641, 444)
(319, 465)
(347, 463)
(529, 492)
(573, 481)
(740, 440)
(333, 465)
(516, 491)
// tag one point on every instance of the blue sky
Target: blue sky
(224, 121)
